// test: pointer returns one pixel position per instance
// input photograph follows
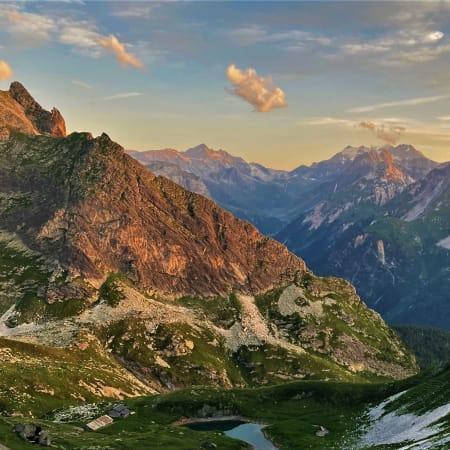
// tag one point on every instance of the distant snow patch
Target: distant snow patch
(315, 218)
(423, 202)
(427, 444)
(444, 243)
(395, 428)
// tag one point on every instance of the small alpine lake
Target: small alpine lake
(249, 432)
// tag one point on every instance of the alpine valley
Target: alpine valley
(378, 217)
(118, 284)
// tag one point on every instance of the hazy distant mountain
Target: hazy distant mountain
(268, 198)
(249, 190)
(186, 179)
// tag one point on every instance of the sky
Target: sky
(279, 83)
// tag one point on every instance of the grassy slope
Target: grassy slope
(35, 379)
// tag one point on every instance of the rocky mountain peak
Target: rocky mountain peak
(379, 163)
(44, 121)
(202, 151)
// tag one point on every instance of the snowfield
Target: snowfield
(417, 432)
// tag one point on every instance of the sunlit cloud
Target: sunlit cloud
(123, 95)
(407, 102)
(33, 29)
(444, 118)
(118, 48)
(28, 27)
(6, 71)
(386, 133)
(258, 91)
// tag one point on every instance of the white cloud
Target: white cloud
(6, 71)
(434, 36)
(123, 95)
(400, 48)
(444, 118)
(80, 34)
(258, 91)
(407, 102)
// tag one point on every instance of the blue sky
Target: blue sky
(307, 78)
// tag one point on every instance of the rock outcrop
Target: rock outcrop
(44, 122)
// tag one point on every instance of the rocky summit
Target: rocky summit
(21, 112)
(105, 260)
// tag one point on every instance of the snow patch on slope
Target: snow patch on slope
(444, 243)
(396, 428)
(423, 202)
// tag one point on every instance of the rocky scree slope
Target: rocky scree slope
(95, 248)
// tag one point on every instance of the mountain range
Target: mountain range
(346, 216)
(105, 261)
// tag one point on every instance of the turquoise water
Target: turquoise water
(248, 432)
(251, 433)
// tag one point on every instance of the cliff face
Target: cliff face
(99, 211)
(12, 117)
(46, 122)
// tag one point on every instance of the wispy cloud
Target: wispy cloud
(444, 118)
(135, 11)
(328, 121)
(387, 129)
(33, 29)
(125, 58)
(28, 27)
(258, 91)
(82, 84)
(399, 48)
(406, 102)
(254, 34)
(6, 71)
(122, 95)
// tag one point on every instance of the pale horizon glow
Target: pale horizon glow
(306, 78)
